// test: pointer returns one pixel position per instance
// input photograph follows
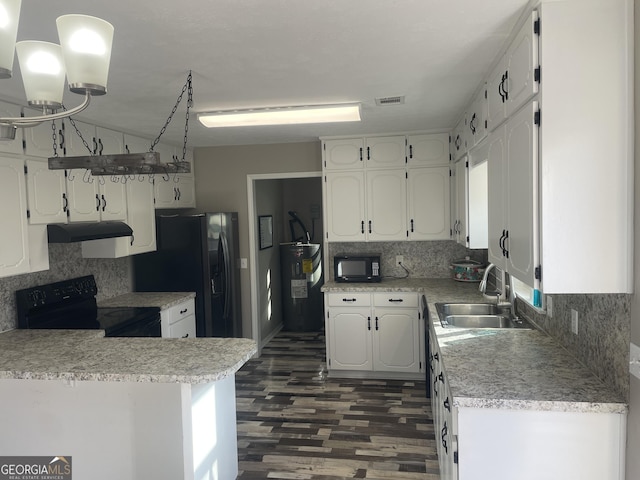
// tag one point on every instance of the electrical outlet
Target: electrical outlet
(399, 259)
(574, 321)
(243, 263)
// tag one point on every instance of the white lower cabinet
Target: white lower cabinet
(506, 444)
(179, 321)
(377, 332)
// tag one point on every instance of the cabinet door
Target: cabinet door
(345, 206)
(459, 138)
(386, 204)
(345, 154)
(72, 144)
(166, 191)
(496, 96)
(141, 216)
(83, 197)
(113, 199)
(109, 141)
(496, 197)
(385, 151)
(428, 203)
(522, 196)
(15, 145)
(39, 139)
(350, 339)
(183, 328)
(14, 241)
(460, 226)
(46, 193)
(428, 150)
(186, 195)
(477, 198)
(396, 340)
(477, 119)
(522, 61)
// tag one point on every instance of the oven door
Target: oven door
(143, 328)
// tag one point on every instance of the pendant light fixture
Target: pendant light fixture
(83, 57)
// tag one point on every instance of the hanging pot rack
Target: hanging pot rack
(146, 163)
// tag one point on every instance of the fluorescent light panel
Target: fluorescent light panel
(282, 116)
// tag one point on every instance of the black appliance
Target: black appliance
(357, 268)
(71, 304)
(197, 253)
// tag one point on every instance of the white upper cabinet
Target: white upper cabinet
(477, 119)
(383, 152)
(459, 227)
(108, 141)
(477, 197)
(174, 190)
(497, 183)
(343, 154)
(11, 146)
(14, 241)
(345, 206)
(428, 203)
(46, 193)
(386, 204)
(427, 150)
(459, 138)
(516, 78)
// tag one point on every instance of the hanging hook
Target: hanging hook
(69, 177)
(87, 178)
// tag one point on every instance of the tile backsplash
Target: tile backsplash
(422, 259)
(113, 277)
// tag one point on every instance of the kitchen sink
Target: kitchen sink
(478, 315)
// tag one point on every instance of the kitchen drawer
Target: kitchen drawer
(180, 311)
(184, 328)
(395, 299)
(349, 299)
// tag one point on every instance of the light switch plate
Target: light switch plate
(634, 360)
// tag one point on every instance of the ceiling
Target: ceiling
(257, 53)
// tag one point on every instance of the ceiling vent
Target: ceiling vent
(382, 101)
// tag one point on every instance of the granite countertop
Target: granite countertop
(88, 355)
(515, 369)
(163, 300)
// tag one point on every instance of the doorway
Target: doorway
(271, 198)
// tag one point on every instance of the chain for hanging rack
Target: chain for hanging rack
(189, 89)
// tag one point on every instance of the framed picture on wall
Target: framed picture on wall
(265, 229)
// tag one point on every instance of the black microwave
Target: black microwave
(357, 268)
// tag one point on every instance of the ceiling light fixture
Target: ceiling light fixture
(83, 56)
(282, 116)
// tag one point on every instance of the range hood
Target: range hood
(81, 231)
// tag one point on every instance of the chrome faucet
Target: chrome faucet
(483, 283)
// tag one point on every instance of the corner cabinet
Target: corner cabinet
(386, 188)
(376, 334)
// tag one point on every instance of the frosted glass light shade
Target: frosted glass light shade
(42, 70)
(86, 46)
(9, 17)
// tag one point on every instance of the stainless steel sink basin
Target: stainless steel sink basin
(478, 315)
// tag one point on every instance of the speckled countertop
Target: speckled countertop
(88, 355)
(502, 368)
(163, 300)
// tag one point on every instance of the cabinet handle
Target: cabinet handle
(436, 357)
(62, 143)
(348, 299)
(368, 153)
(362, 226)
(360, 153)
(104, 203)
(506, 249)
(184, 311)
(95, 145)
(472, 124)
(133, 237)
(443, 434)
(175, 193)
(440, 377)
(101, 146)
(396, 300)
(505, 85)
(97, 203)
(412, 225)
(446, 404)
(185, 335)
(179, 193)
(435, 387)
(369, 226)
(377, 324)
(410, 151)
(368, 323)
(65, 202)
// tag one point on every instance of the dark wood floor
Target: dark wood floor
(295, 423)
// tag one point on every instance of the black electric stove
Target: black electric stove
(71, 304)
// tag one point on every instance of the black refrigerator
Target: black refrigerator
(197, 253)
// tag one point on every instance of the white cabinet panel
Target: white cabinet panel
(428, 149)
(350, 339)
(14, 241)
(396, 340)
(385, 151)
(46, 193)
(522, 61)
(386, 204)
(345, 206)
(497, 170)
(428, 203)
(344, 154)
